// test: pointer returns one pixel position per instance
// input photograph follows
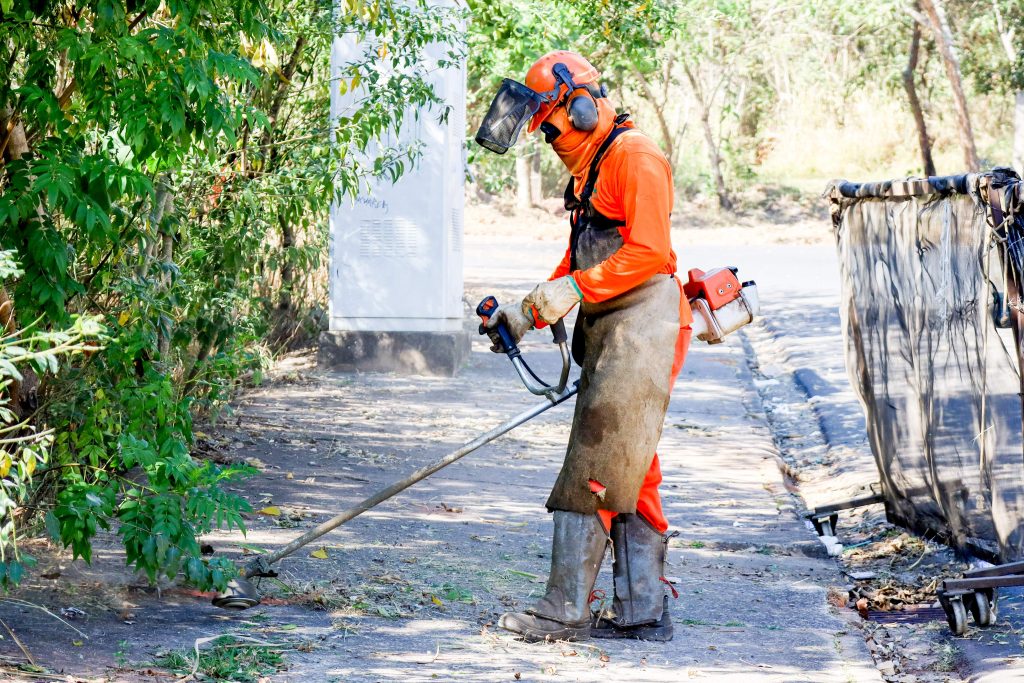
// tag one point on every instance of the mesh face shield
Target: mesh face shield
(512, 107)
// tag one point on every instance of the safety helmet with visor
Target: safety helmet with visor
(557, 78)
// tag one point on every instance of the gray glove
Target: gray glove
(553, 299)
(516, 322)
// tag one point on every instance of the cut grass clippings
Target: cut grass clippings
(227, 659)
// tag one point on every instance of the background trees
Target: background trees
(745, 93)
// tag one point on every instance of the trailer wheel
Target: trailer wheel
(956, 616)
(983, 608)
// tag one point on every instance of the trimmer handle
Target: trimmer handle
(485, 309)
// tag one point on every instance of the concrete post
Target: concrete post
(396, 252)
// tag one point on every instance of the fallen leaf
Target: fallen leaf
(436, 600)
(517, 675)
(290, 475)
(605, 658)
(287, 627)
(271, 510)
(862, 607)
(320, 554)
(76, 643)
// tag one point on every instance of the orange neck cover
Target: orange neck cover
(577, 148)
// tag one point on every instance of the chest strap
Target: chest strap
(582, 213)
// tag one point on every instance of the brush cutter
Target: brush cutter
(242, 594)
(720, 304)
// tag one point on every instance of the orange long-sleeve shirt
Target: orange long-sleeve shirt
(634, 185)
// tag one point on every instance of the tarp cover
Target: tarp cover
(923, 265)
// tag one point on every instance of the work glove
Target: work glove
(516, 322)
(553, 299)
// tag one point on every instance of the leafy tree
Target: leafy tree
(23, 447)
(995, 31)
(168, 166)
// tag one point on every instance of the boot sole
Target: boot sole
(653, 635)
(531, 634)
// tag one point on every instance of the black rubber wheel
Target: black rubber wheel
(986, 609)
(956, 617)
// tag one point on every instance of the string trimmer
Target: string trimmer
(242, 594)
(720, 304)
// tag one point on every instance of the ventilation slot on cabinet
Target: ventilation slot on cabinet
(388, 238)
(455, 226)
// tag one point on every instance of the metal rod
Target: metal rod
(955, 585)
(254, 568)
(998, 570)
(826, 510)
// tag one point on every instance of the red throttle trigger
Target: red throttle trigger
(486, 308)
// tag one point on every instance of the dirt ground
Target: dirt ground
(412, 589)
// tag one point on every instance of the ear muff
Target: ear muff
(582, 110)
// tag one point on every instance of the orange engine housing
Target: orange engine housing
(718, 287)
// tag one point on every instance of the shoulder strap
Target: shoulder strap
(619, 129)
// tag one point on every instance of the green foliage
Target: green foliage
(505, 38)
(170, 169)
(994, 30)
(23, 448)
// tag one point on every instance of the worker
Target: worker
(630, 338)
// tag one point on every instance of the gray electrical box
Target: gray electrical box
(396, 251)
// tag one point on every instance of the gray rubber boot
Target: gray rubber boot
(577, 549)
(640, 607)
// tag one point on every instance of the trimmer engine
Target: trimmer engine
(720, 304)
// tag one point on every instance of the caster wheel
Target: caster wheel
(956, 616)
(983, 609)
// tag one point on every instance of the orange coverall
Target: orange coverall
(634, 185)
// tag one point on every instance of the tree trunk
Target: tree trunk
(523, 199)
(915, 104)
(536, 180)
(714, 157)
(724, 202)
(668, 140)
(284, 302)
(1007, 38)
(1018, 135)
(944, 40)
(13, 146)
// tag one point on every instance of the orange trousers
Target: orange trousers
(648, 505)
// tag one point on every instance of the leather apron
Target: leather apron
(626, 346)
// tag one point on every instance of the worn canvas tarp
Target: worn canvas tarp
(925, 269)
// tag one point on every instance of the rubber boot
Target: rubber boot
(640, 607)
(577, 549)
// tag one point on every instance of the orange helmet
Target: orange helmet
(541, 79)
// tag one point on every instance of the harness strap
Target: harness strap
(571, 201)
(581, 208)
